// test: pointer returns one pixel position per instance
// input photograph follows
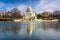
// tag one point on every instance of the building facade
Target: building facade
(29, 14)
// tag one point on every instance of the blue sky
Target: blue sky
(37, 5)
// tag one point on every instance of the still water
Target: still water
(37, 30)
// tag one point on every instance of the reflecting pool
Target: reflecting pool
(34, 30)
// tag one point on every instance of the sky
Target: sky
(37, 5)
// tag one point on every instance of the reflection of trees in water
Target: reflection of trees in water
(45, 25)
(54, 25)
(57, 27)
(14, 28)
(48, 25)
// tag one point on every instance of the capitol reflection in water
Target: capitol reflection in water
(48, 30)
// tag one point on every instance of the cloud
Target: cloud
(38, 6)
(10, 8)
(47, 5)
(1, 4)
(22, 7)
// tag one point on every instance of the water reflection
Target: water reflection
(29, 28)
(34, 29)
(47, 25)
(7, 26)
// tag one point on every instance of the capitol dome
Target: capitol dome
(29, 9)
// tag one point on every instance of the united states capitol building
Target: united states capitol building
(29, 14)
(16, 15)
